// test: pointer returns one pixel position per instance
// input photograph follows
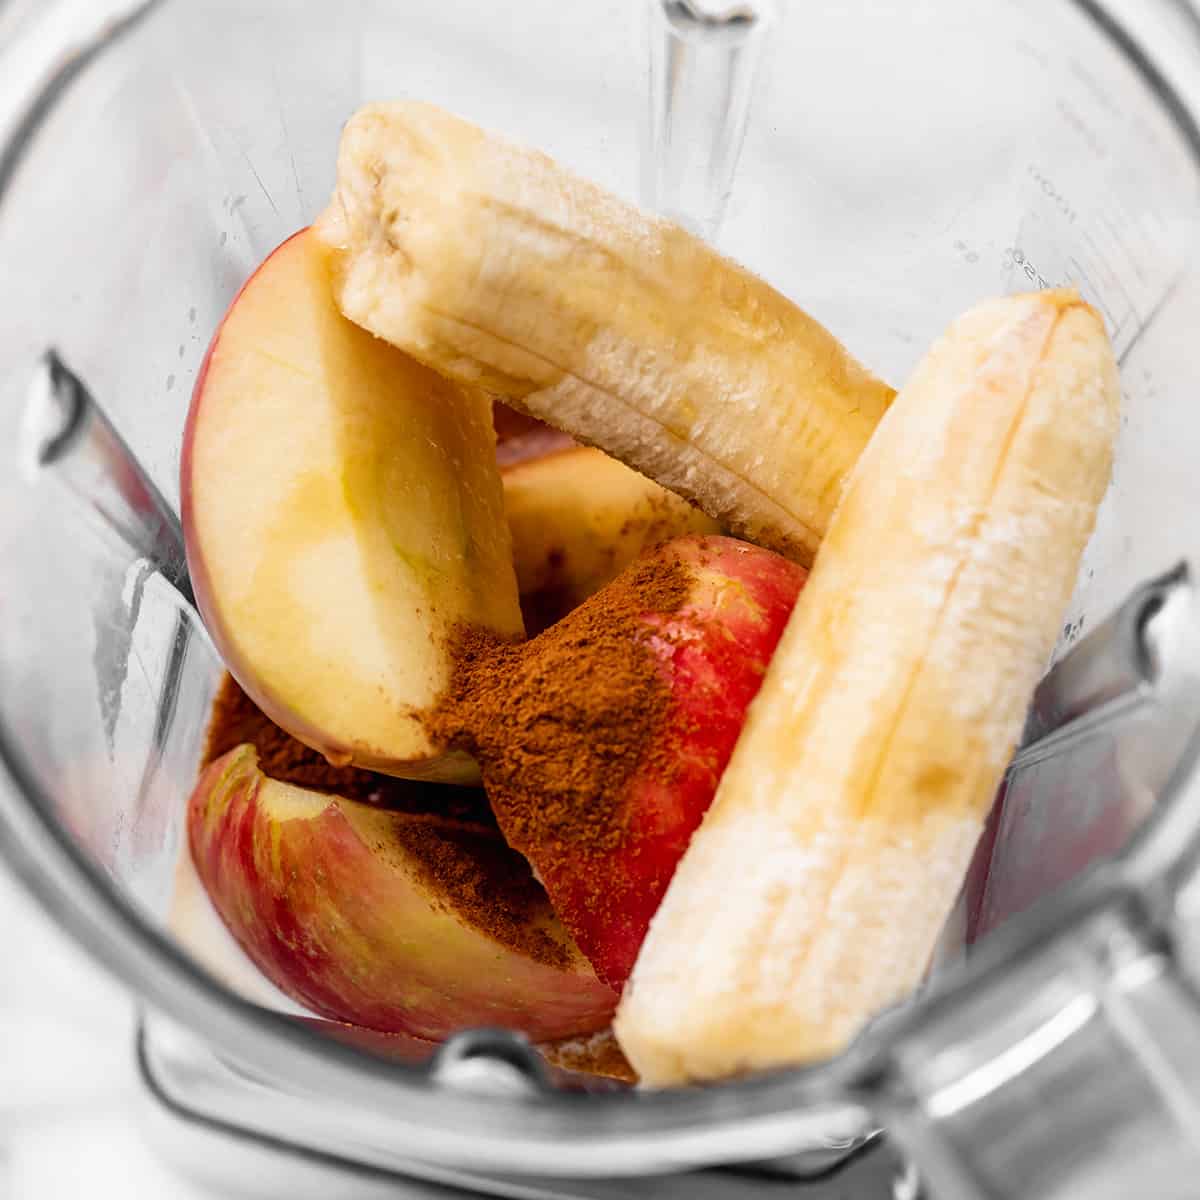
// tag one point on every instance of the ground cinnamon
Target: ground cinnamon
(561, 723)
(594, 1054)
(236, 719)
(448, 833)
(487, 884)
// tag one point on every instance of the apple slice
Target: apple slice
(578, 518)
(344, 515)
(679, 644)
(402, 922)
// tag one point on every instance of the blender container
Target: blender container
(886, 165)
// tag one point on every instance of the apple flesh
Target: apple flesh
(710, 654)
(344, 516)
(375, 917)
(577, 519)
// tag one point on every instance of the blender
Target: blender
(885, 166)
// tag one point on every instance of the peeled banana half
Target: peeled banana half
(495, 266)
(815, 890)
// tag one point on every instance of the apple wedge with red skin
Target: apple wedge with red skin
(578, 518)
(344, 516)
(333, 900)
(710, 653)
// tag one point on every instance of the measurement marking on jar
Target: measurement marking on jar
(1112, 274)
(1096, 296)
(1083, 129)
(1050, 191)
(1014, 257)
(1123, 246)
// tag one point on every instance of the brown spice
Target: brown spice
(561, 723)
(487, 884)
(236, 719)
(594, 1054)
(448, 834)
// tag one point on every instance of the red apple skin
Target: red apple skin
(375, 720)
(520, 438)
(322, 895)
(712, 654)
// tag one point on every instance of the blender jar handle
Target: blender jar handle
(1074, 1074)
(1066, 1061)
(66, 432)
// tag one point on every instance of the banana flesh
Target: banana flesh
(815, 890)
(496, 267)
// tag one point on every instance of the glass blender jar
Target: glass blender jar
(884, 165)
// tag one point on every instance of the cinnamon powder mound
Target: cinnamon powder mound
(561, 723)
(449, 833)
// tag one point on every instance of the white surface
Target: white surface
(69, 1098)
(72, 1110)
(68, 1089)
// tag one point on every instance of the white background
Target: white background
(69, 1097)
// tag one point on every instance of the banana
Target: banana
(813, 894)
(495, 266)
